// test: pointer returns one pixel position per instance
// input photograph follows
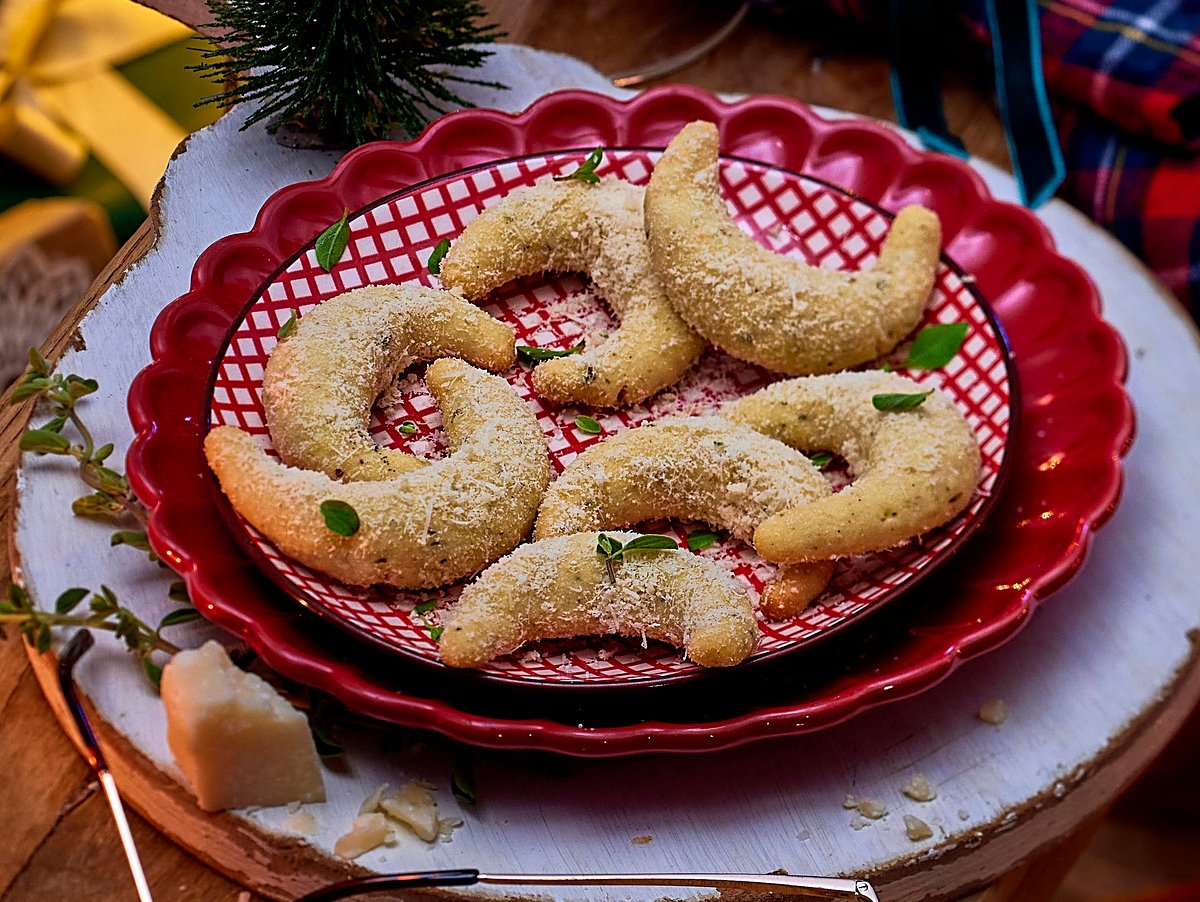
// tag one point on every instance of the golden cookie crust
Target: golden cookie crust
(596, 229)
(766, 308)
(690, 468)
(320, 382)
(914, 469)
(560, 587)
(420, 529)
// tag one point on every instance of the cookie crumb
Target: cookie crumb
(642, 840)
(994, 712)
(919, 789)
(916, 829)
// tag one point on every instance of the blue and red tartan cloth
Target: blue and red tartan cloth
(1124, 79)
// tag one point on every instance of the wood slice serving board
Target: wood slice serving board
(1090, 703)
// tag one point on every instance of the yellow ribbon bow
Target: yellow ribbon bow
(60, 98)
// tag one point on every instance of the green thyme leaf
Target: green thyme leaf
(435, 632)
(178, 593)
(153, 673)
(425, 606)
(37, 363)
(408, 427)
(26, 390)
(821, 460)
(97, 505)
(701, 539)
(102, 453)
(607, 546)
(462, 785)
(69, 600)
(899, 401)
(650, 543)
(111, 482)
(286, 330)
(935, 346)
(340, 517)
(332, 242)
(439, 253)
(586, 424)
(327, 746)
(18, 597)
(77, 387)
(534, 356)
(174, 618)
(132, 537)
(56, 425)
(586, 172)
(43, 441)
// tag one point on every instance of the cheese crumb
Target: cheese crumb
(994, 712)
(371, 802)
(871, 808)
(414, 807)
(916, 829)
(367, 832)
(919, 789)
(302, 822)
(236, 739)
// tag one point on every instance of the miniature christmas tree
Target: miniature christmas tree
(347, 71)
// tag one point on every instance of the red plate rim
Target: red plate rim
(165, 451)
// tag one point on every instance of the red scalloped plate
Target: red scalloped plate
(1065, 477)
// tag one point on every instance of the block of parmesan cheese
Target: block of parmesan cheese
(236, 739)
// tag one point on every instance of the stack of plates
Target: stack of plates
(1039, 377)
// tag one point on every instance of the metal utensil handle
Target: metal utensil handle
(784, 884)
(67, 660)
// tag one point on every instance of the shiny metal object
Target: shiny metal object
(75, 649)
(783, 884)
(670, 64)
(853, 890)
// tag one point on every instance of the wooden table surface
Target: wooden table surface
(60, 842)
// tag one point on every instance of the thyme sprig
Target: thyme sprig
(103, 612)
(111, 499)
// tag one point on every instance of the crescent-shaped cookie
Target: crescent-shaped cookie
(321, 381)
(914, 469)
(691, 468)
(417, 530)
(766, 308)
(596, 229)
(560, 587)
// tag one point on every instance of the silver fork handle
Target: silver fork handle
(813, 887)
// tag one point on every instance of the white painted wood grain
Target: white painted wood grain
(1073, 678)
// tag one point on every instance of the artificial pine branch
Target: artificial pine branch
(348, 70)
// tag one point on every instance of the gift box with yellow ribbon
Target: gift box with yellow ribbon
(94, 98)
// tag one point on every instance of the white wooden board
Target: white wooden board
(1073, 682)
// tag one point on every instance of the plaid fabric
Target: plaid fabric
(1147, 195)
(1135, 63)
(1125, 75)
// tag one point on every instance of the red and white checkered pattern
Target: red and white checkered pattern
(391, 242)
